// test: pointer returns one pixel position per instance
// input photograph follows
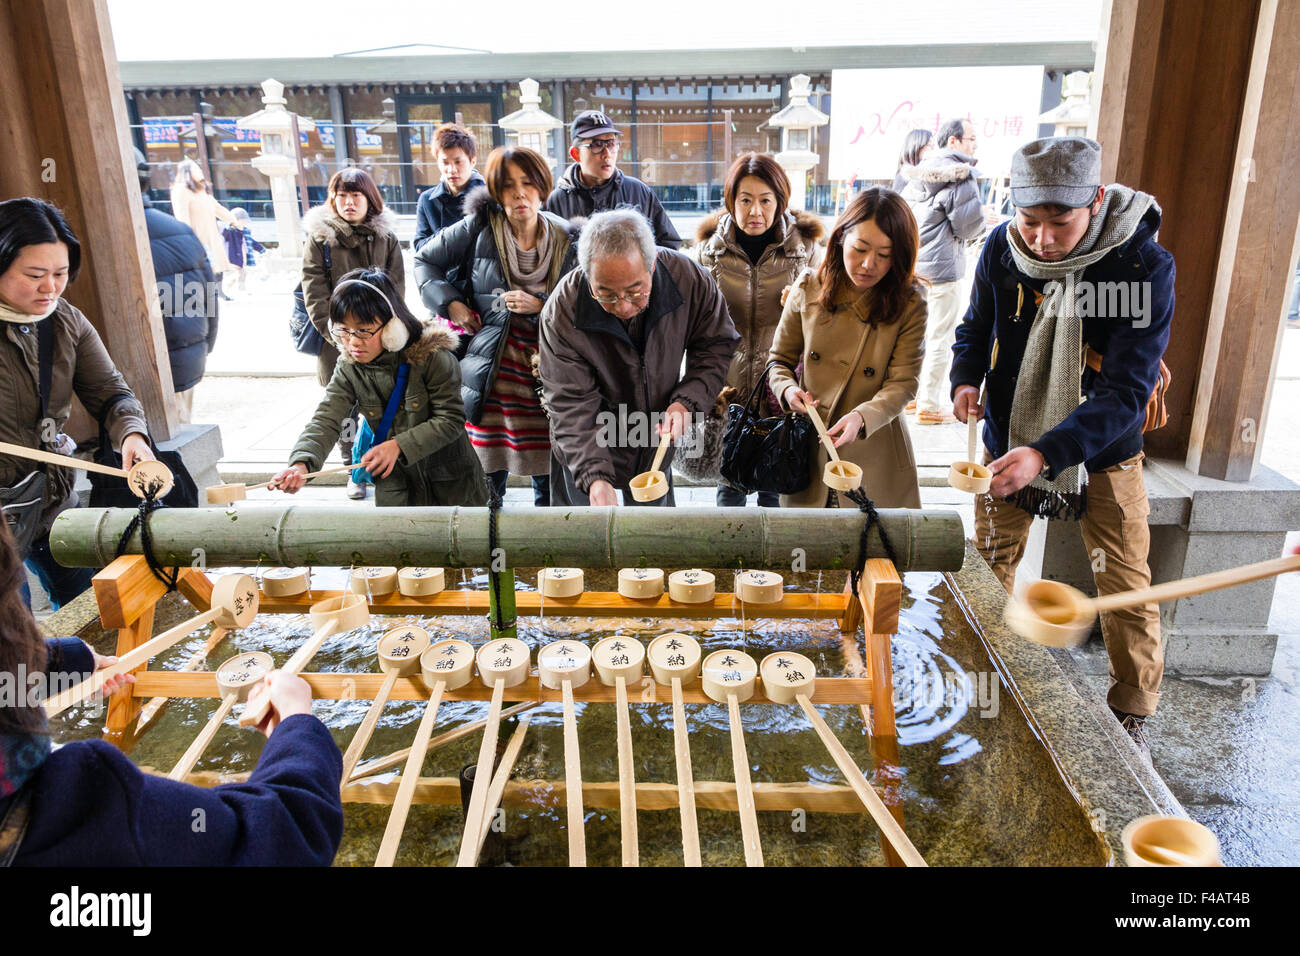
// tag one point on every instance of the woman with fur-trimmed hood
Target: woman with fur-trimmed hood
(352, 230)
(511, 254)
(755, 249)
(425, 458)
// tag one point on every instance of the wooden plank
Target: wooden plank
(342, 686)
(881, 668)
(587, 604)
(124, 705)
(1255, 272)
(602, 795)
(852, 615)
(196, 587)
(124, 590)
(881, 592)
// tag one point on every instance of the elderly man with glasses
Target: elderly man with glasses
(595, 183)
(634, 342)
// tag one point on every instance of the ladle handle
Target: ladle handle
(482, 779)
(255, 712)
(362, 737)
(410, 777)
(664, 440)
(972, 428)
(1172, 590)
(816, 416)
(306, 477)
(744, 787)
(67, 461)
(129, 662)
(200, 744)
(626, 778)
(1160, 854)
(853, 774)
(573, 781)
(685, 779)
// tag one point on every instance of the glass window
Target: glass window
(672, 131)
(372, 137)
(750, 103)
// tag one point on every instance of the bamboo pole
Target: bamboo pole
(297, 536)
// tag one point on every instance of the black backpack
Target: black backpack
(305, 337)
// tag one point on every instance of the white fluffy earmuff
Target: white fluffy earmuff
(394, 336)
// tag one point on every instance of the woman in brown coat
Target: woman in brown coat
(359, 233)
(754, 251)
(858, 327)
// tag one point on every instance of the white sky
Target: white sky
(256, 29)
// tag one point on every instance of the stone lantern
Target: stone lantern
(797, 120)
(278, 161)
(1073, 115)
(530, 124)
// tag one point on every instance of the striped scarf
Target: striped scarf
(1050, 383)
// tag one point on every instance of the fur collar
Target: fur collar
(323, 225)
(479, 202)
(939, 169)
(808, 226)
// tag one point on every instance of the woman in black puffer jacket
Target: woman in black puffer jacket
(514, 254)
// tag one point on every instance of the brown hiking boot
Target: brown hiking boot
(1135, 726)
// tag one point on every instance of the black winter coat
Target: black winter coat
(470, 247)
(437, 209)
(574, 200)
(187, 293)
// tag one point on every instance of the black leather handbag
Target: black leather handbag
(767, 454)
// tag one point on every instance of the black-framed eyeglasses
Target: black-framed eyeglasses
(601, 145)
(343, 333)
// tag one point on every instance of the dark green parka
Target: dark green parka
(437, 465)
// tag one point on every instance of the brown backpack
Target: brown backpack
(1157, 412)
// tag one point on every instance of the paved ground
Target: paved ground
(1227, 747)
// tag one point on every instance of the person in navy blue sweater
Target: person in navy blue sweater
(87, 804)
(442, 205)
(1077, 297)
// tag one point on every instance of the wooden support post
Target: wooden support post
(124, 590)
(1173, 80)
(63, 120)
(1253, 282)
(124, 706)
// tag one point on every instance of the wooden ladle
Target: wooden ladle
(653, 484)
(618, 660)
(146, 479)
(970, 475)
(790, 678)
(399, 656)
(234, 604)
(728, 677)
(674, 661)
(564, 665)
(236, 491)
(236, 679)
(1160, 840)
(1057, 615)
(838, 474)
(331, 616)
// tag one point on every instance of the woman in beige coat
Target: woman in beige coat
(858, 327)
(193, 205)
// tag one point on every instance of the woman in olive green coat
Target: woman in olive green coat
(426, 457)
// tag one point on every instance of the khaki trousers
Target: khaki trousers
(1117, 538)
(945, 303)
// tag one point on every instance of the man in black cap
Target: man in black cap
(595, 183)
(1076, 296)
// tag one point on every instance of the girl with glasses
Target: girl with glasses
(424, 457)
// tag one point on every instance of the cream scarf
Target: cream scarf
(1049, 387)
(8, 314)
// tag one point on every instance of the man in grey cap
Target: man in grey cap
(1076, 296)
(595, 183)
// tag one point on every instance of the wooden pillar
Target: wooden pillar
(63, 121)
(1253, 279)
(1173, 81)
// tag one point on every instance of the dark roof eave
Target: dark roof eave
(638, 64)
